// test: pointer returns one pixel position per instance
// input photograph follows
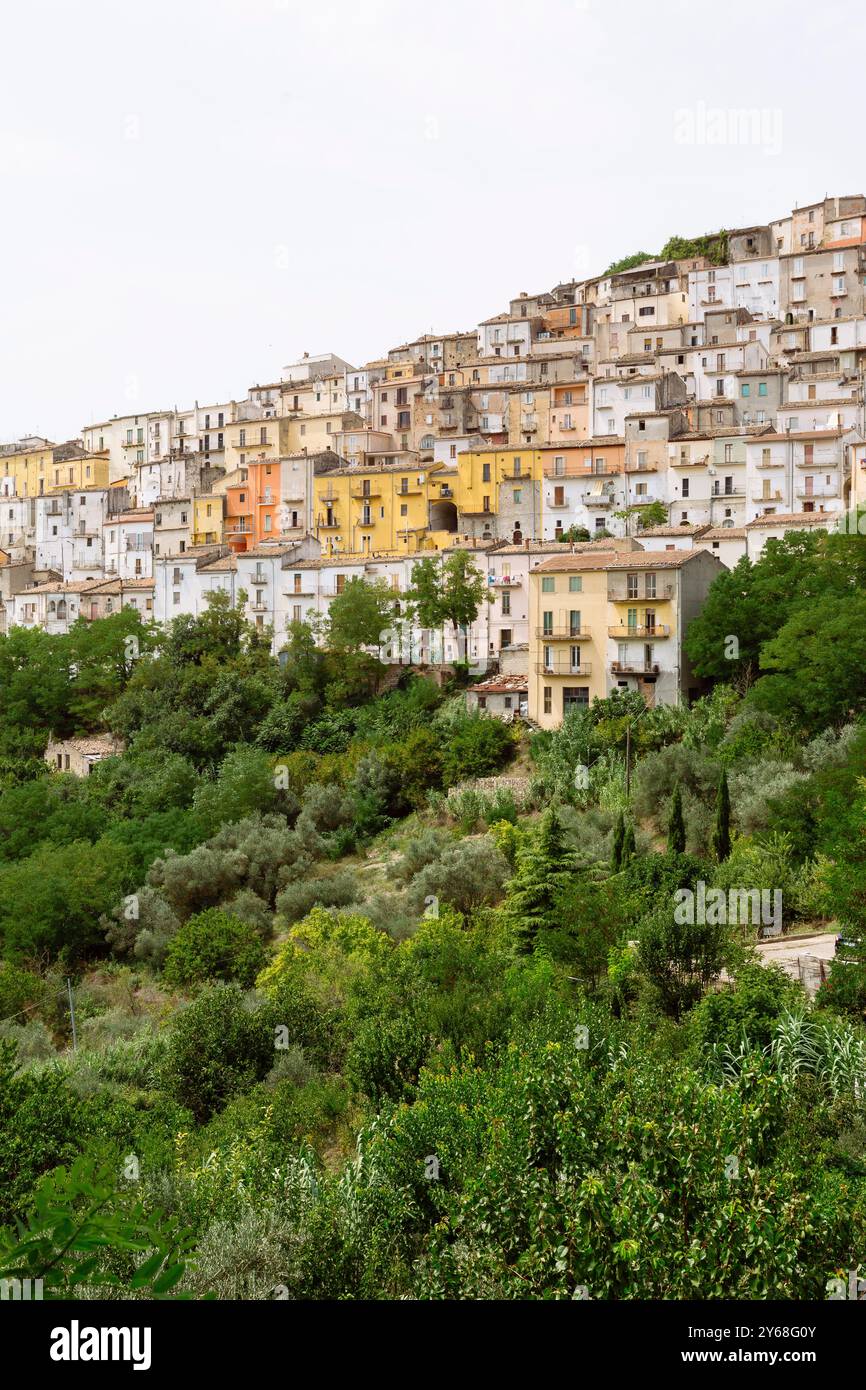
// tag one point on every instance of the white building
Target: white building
(128, 544)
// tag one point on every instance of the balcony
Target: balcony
(510, 476)
(133, 444)
(731, 492)
(816, 492)
(634, 668)
(412, 490)
(623, 593)
(328, 523)
(561, 668)
(506, 581)
(757, 495)
(563, 634)
(599, 499)
(579, 470)
(622, 632)
(771, 463)
(362, 490)
(138, 543)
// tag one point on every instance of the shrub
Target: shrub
(419, 851)
(141, 925)
(651, 880)
(298, 899)
(468, 875)
(477, 746)
(747, 1013)
(217, 1047)
(20, 990)
(213, 945)
(679, 959)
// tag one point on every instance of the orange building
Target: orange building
(238, 528)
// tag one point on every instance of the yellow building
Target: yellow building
(36, 470)
(249, 440)
(499, 491)
(614, 621)
(568, 638)
(207, 519)
(386, 508)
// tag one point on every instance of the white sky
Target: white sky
(194, 192)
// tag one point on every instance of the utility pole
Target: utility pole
(72, 1014)
(628, 760)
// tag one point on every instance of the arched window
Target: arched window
(61, 608)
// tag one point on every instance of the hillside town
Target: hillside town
(603, 449)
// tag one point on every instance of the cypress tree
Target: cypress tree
(676, 824)
(629, 848)
(722, 828)
(544, 867)
(618, 842)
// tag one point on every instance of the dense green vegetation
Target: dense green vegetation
(351, 1025)
(713, 245)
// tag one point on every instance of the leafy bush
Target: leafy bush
(218, 1046)
(213, 945)
(477, 745)
(298, 899)
(468, 875)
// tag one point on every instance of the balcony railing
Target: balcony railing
(757, 495)
(578, 470)
(506, 581)
(623, 632)
(824, 490)
(621, 593)
(634, 668)
(563, 634)
(562, 668)
(361, 490)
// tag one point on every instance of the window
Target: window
(548, 584)
(574, 621)
(685, 489)
(485, 472)
(506, 605)
(547, 696)
(745, 389)
(575, 583)
(574, 696)
(518, 494)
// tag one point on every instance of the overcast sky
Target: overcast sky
(195, 192)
